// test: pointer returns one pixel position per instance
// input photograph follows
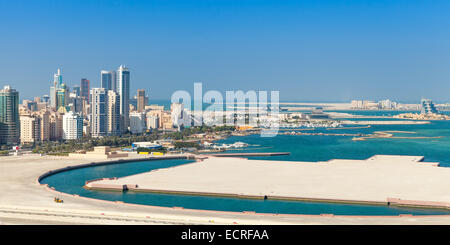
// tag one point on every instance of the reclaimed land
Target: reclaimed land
(379, 180)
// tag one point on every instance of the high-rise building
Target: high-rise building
(57, 78)
(30, 105)
(57, 82)
(152, 121)
(85, 88)
(166, 120)
(141, 100)
(123, 89)
(76, 90)
(178, 115)
(428, 107)
(30, 129)
(99, 119)
(45, 98)
(61, 96)
(44, 115)
(72, 126)
(137, 122)
(107, 80)
(56, 126)
(75, 103)
(9, 116)
(114, 127)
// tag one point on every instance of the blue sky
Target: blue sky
(308, 50)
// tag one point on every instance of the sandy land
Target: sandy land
(375, 179)
(24, 201)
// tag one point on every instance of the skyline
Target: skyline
(332, 51)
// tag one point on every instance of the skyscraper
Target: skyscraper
(85, 88)
(114, 127)
(75, 102)
(57, 78)
(76, 90)
(123, 89)
(57, 82)
(140, 100)
(107, 80)
(9, 116)
(61, 96)
(99, 119)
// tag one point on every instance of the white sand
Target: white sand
(375, 179)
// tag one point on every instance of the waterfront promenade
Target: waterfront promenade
(25, 201)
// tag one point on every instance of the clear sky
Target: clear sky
(308, 50)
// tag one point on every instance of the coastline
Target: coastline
(33, 202)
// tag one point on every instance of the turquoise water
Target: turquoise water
(302, 148)
(323, 148)
(72, 182)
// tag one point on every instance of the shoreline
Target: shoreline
(29, 197)
(136, 187)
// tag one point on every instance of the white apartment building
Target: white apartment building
(72, 126)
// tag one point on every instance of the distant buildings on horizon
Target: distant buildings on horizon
(368, 104)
